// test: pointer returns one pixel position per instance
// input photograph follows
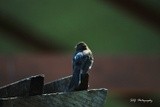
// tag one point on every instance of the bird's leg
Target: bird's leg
(84, 82)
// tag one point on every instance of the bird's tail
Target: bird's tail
(75, 80)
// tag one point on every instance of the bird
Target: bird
(82, 62)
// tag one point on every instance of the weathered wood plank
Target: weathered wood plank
(90, 98)
(62, 84)
(25, 87)
(59, 85)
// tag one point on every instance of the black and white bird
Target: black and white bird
(82, 61)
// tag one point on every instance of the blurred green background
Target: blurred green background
(109, 27)
(103, 25)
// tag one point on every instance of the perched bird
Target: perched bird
(82, 61)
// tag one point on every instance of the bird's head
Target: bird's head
(81, 46)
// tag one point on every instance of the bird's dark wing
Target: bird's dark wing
(77, 63)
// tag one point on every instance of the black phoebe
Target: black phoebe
(82, 61)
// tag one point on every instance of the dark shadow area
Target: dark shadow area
(145, 13)
(18, 31)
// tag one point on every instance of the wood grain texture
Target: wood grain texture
(90, 98)
(25, 87)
